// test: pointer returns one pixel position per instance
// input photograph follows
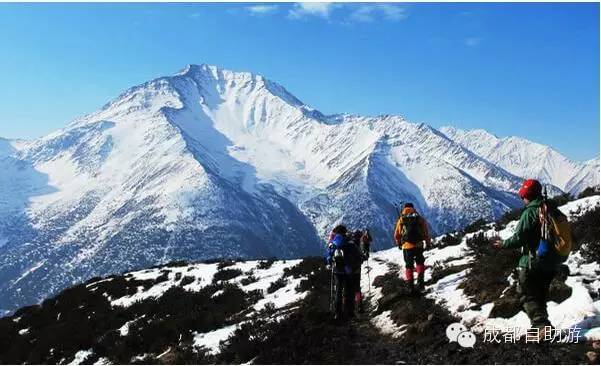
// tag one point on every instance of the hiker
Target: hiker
(410, 233)
(365, 243)
(536, 270)
(358, 239)
(365, 247)
(345, 260)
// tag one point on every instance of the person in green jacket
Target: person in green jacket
(535, 273)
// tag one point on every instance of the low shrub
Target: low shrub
(248, 280)
(186, 280)
(588, 192)
(448, 240)
(266, 264)
(276, 285)
(227, 274)
(585, 231)
(479, 224)
(225, 263)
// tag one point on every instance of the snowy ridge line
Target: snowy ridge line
(523, 158)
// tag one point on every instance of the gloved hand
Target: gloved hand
(428, 245)
(328, 266)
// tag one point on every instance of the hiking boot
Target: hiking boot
(563, 273)
(546, 333)
(411, 287)
(338, 317)
(545, 330)
(420, 282)
(361, 309)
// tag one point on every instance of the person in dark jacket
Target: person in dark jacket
(362, 240)
(365, 246)
(366, 240)
(345, 258)
(535, 273)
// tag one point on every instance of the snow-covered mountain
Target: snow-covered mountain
(213, 163)
(525, 158)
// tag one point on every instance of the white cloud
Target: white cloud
(393, 12)
(349, 12)
(372, 12)
(472, 41)
(262, 9)
(364, 13)
(302, 10)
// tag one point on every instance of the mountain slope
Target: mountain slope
(270, 312)
(124, 184)
(525, 158)
(586, 176)
(211, 163)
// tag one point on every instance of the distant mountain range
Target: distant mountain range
(529, 159)
(211, 163)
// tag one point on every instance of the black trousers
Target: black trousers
(534, 290)
(345, 288)
(413, 256)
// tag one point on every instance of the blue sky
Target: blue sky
(530, 70)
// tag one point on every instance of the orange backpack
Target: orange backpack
(555, 229)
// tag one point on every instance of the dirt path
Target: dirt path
(424, 340)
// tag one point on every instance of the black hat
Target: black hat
(339, 229)
(408, 204)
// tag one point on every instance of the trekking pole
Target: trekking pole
(332, 288)
(368, 266)
(398, 215)
(368, 277)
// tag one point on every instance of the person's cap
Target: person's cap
(530, 189)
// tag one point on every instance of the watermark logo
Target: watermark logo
(466, 339)
(458, 332)
(532, 335)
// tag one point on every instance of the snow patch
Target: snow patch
(210, 340)
(80, 357)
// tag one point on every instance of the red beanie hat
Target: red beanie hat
(531, 189)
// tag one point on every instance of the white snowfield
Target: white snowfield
(579, 310)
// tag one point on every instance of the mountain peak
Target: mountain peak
(204, 72)
(454, 132)
(195, 68)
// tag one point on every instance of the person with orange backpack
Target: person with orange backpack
(410, 232)
(544, 236)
